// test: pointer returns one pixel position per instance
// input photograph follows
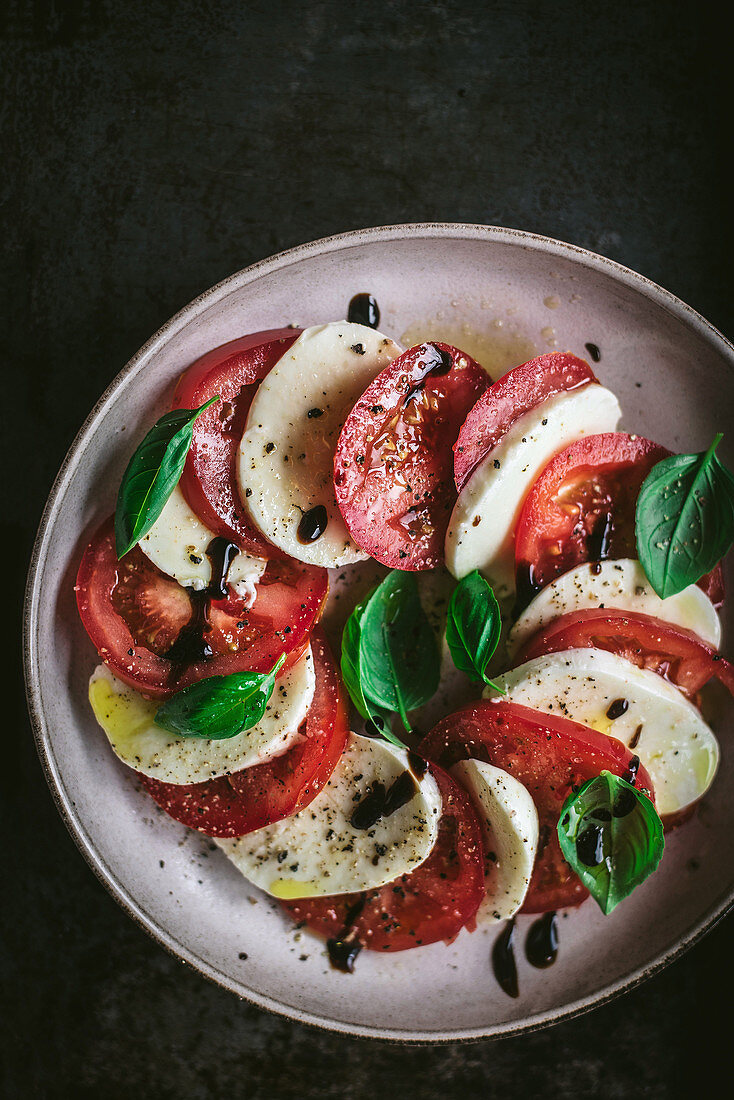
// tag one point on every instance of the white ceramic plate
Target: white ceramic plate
(504, 296)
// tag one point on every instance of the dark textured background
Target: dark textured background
(149, 150)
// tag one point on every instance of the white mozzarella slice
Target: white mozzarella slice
(286, 458)
(319, 851)
(510, 823)
(659, 724)
(177, 544)
(481, 530)
(617, 584)
(128, 720)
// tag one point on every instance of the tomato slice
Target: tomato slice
(509, 398)
(134, 614)
(209, 481)
(432, 903)
(551, 756)
(237, 804)
(678, 655)
(393, 463)
(582, 508)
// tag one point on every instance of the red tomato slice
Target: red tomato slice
(255, 797)
(133, 614)
(209, 481)
(676, 654)
(550, 756)
(509, 398)
(432, 903)
(582, 508)
(393, 464)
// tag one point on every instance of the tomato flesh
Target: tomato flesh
(134, 614)
(393, 463)
(678, 655)
(209, 480)
(582, 508)
(250, 799)
(432, 903)
(519, 391)
(550, 756)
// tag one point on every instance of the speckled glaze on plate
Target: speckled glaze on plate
(503, 295)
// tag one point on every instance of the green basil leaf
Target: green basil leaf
(152, 474)
(399, 659)
(473, 625)
(219, 707)
(612, 837)
(684, 519)
(351, 636)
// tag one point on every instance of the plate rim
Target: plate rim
(31, 606)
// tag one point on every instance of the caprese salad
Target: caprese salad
(565, 662)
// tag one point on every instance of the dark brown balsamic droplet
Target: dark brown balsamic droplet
(364, 310)
(191, 645)
(344, 948)
(594, 353)
(380, 802)
(635, 737)
(221, 554)
(434, 362)
(617, 708)
(343, 953)
(526, 587)
(503, 960)
(632, 769)
(597, 542)
(541, 945)
(590, 846)
(313, 524)
(418, 765)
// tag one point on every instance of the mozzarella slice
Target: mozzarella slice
(319, 851)
(481, 530)
(177, 543)
(286, 458)
(617, 584)
(659, 724)
(510, 822)
(128, 720)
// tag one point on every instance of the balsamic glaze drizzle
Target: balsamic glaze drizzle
(344, 948)
(417, 764)
(541, 945)
(380, 802)
(597, 541)
(313, 524)
(503, 960)
(364, 310)
(192, 645)
(593, 350)
(526, 586)
(434, 361)
(632, 769)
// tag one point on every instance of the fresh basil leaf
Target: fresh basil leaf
(612, 837)
(684, 519)
(152, 474)
(473, 626)
(219, 707)
(399, 659)
(351, 636)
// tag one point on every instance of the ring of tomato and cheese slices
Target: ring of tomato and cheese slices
(328, 446)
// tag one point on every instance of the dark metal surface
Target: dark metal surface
(149, 151)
